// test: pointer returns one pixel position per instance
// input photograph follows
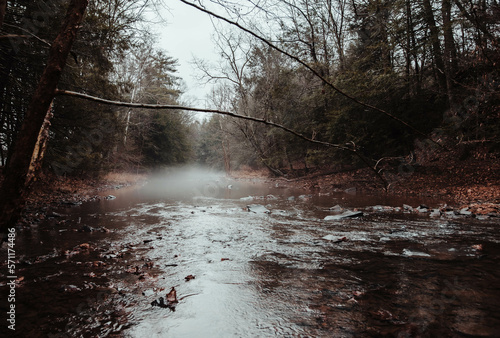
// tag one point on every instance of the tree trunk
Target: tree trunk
(40, 147)
(436, 46)
(15, 185)
(450, 53)
(3, 9)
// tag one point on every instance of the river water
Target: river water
(252, 259)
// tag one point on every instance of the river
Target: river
(252, 259)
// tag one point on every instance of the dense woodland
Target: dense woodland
(432, 64)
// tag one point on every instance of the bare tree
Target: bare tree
(17, 172)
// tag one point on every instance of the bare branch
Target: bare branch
(352, 149)
(311, 69)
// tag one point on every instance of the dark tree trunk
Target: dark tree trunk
(450, 53)
(15, 185)
(3, 9)
(436, 46)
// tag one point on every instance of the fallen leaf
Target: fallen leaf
(172, 296)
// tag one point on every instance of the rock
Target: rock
(350, 191)
(69, 288)
(86, 228)
(76, 203)
(347, 214)
(407, 207)
(336, 208)
(450, 214)
(258, 209)
(148, 293)
(335, 239)
(159, 302)
(435, 213)
(271, 197)
(246, 199)
(465, 212)
(110, 197)
(291, 198)
(410, 253)
(422, 209)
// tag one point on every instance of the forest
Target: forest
(340, 179)
(368, 83)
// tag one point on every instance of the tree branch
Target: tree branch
(221, 112)
(311, 69)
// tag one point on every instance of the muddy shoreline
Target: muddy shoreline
(473, 185)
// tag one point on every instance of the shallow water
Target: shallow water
(279, 271)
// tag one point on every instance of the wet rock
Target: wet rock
(350, 191)
(147, 241)
(336, 208)
(148, 293)
(435, 213)
(465, 212)
(73, 203)
(409, 253)
(347, 214)
(335, 239)
(159, 302)
(86, 228)
(258, 209)
(189, 277)
(407, 207)
(246, 199)
(422, 209)
(69, 288)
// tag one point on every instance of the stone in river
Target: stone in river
(258, 209)
(347, 214)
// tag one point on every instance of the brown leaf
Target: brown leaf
(172, 296)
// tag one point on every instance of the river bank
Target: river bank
(50, 192)
(473, 183)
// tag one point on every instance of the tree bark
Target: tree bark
(436, 45)
(15, 185)
(3, 10)
(450, 53)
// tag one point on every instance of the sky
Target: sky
(187, 34)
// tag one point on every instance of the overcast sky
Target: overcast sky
(187, 34)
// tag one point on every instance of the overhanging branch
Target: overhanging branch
(311, 69)
(220, 112)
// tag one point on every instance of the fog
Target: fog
(194, 182)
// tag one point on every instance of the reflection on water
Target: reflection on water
(284, 273)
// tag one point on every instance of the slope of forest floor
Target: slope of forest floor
(52, 191)
(444, 176)
(459, 182)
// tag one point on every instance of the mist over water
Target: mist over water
(194, 182)
(266, 263)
